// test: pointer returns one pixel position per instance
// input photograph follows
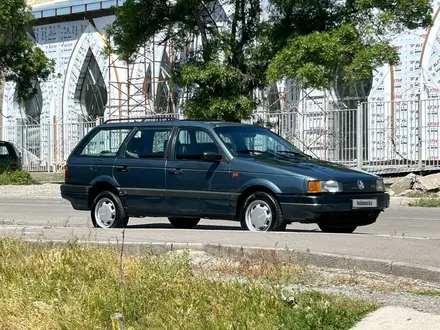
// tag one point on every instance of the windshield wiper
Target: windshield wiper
(247, 151)
(296, 153)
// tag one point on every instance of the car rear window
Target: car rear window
(4, 151)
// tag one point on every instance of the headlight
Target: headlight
(380, 186)
(330, 186)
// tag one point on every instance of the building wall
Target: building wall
(417, 74)
(67, 43)
(312, 118)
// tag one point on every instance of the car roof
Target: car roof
(158, 123)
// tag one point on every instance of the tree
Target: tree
(223, 74)
(20, 61)
(318, 43)
(329, 43)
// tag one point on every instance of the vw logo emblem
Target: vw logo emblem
(360, 185)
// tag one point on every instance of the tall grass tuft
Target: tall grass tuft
(78, 287)
(15, 177)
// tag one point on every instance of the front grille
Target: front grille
(352, 186)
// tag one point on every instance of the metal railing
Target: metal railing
(379, 137)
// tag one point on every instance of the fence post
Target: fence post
(47, 131)
(359, 137)
(419, 130)
(55, 149)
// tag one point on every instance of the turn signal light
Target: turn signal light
(314, 187)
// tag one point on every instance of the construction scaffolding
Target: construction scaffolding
(143, 86)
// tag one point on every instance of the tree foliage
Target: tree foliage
(323, 43)
(219, 92)
(20, 61)
(318, 43)
(223, 73)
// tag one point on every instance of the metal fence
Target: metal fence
(379, 137)
(45, 147)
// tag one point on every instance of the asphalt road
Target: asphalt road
(403, 234)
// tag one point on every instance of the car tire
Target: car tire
(184, 223)
(255, 206)
(336, 229)
(108, 211)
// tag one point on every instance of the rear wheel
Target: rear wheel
(108, 212)
(184, 223)
(336, 229)
(261, 212)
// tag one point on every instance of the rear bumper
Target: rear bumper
(77, 195)
(332, 209)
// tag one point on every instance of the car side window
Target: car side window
(192, 143)
(105, 143)
(148, 143)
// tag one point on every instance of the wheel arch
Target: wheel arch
(252, 187)
(99, 185)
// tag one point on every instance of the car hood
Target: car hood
(315, 168)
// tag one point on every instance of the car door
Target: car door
(194, 186)
(95, 157)
(140, 170)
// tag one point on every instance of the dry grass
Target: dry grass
(271, 270)
(426, 292)
(73, 287)
(425, 202)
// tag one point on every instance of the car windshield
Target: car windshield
(250, 141)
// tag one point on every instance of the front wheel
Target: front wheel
(184, 223)
(261, 212)
(108, 211)
(336, 229)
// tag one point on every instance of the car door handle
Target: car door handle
(176, 171)
(123, 168)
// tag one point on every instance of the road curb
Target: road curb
(387, 267)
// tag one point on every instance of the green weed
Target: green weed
(9, 177)
(78, 287)
(425, 202)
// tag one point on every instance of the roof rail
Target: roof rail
(142, 119)
(206, 120)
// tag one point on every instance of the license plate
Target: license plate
(364, 203)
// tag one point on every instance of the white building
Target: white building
(89, 85)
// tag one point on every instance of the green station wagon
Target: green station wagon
(187, 170)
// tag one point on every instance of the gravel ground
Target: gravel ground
(387, 290)
(38, 191)
(422, 303)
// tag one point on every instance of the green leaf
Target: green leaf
(318, 43)
(20, 60)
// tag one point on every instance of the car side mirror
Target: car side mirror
(211, 157)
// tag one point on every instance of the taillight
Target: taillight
(66, 172)
(14, 162)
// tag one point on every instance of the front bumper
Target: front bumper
(77, 195)
(332, 208)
